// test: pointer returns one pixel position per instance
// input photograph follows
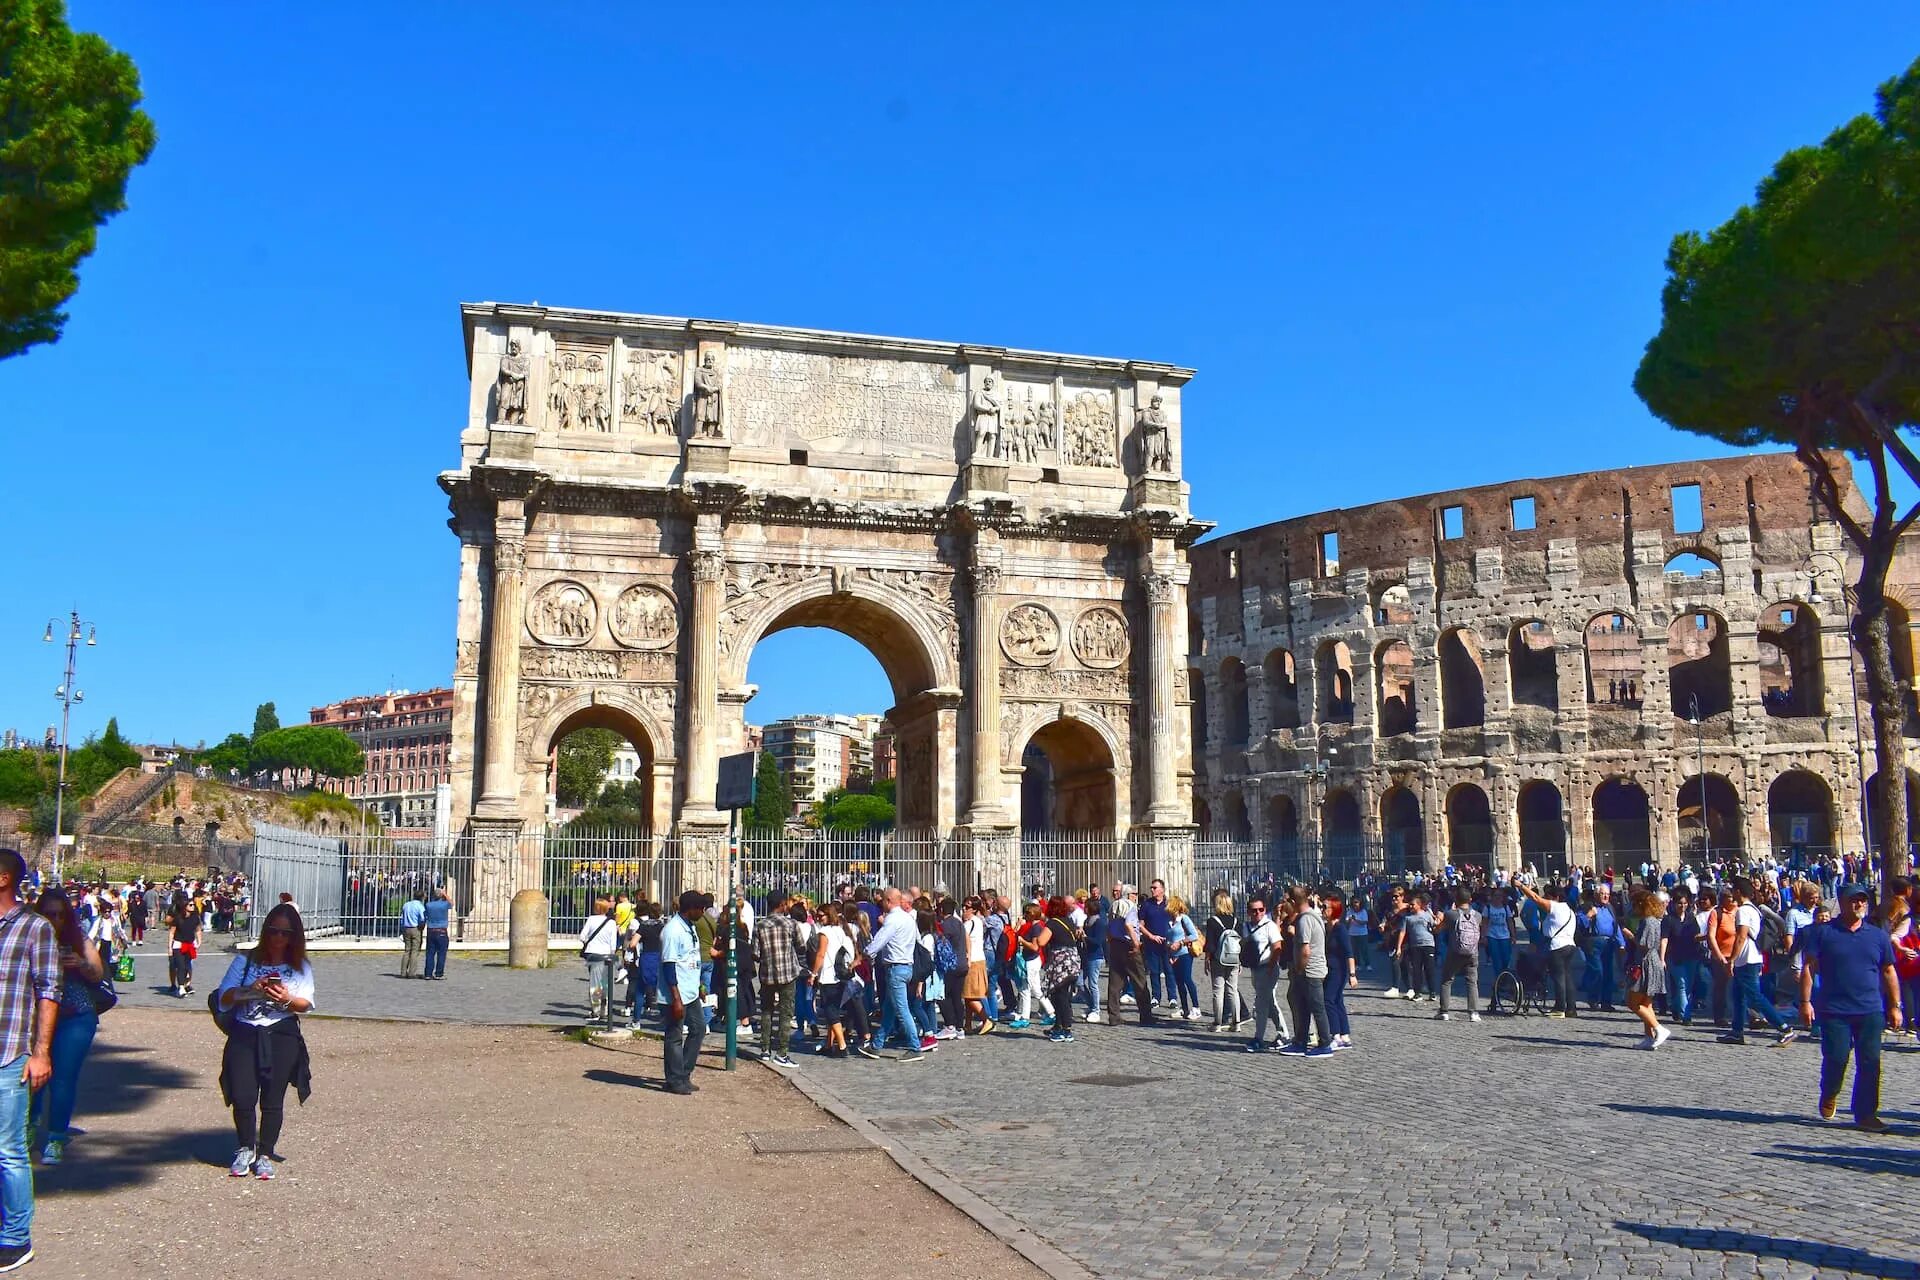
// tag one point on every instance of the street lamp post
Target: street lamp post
(1853, 675)
(1317, 793)
(68, 695)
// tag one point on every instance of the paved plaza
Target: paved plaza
(1514, 1147)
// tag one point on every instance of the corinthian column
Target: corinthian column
(707, 566)
(1163, 792)
(984, 695)
(499, 778)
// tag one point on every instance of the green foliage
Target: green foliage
(1797, 322)
(70, 133)
(622, 805)
(852, 811)
(97, 759)
(584, 758)
(265, 720)
(772, 798)
(43, 818)
(340, 811)
(234, 752)
(25, 776)
(887, 790)
(323, 750)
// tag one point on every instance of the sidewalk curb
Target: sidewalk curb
(1003, 1228)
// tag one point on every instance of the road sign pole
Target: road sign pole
(732, 919)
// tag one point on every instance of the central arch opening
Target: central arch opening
(835, 700)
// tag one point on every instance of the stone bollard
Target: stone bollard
(527, 930)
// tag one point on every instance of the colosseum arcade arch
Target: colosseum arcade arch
(1699, 665)
(1403, 829)
(1622, 825)
(1463, 685)
(1543, 826)
(639, 499)
(1800, 814)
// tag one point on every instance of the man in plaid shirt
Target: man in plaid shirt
(776, 958)
(29, 1003)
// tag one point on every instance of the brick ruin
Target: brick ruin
(1536, 671)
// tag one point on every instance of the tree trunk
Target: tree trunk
(1887, 698)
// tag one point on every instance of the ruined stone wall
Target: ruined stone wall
(1562, 632)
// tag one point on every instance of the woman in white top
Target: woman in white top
(599, 944)
(259, 1002)
(830, 943)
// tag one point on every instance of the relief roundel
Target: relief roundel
(562, 613)
(1030, 635)
(1100, 638)
(644, 618)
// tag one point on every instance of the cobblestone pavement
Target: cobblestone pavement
(478, 988)
(1515, 1147)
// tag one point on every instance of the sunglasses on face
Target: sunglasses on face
(276, 931)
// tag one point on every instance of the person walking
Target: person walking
(1850, 985)
(1306, 990)
(1647, 975)
(1093, 950)
(81, 970)
(261, 998)
(1557, 926)
(974, 988)
(1261, 954)
(1223, 963)
(1123, 960)
(1155, 922)
(1059, 965)
(1683, 938)
(1743, 982)
(1416, 948)
(1342, 969)
(413, 933)
(439, 926)
(137, 907)
(30, 987)
(1464, 928)
(831, 965)
(776, 960)
(599, 945)
(891, 950)
(186, 926)
(686, 1024)
(1499, 921)
(1183, 942)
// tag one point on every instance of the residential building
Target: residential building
(408, 738)
(818, 754)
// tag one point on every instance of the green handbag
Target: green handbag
(123, 969)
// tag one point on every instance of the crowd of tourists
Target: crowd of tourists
(900, 971)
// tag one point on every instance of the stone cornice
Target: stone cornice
(477, 314)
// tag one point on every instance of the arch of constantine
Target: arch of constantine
(641, 500)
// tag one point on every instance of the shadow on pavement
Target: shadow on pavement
(1714, 1113)
(1896, 1160)
(1824, 1256)
(119, 1079)
(600, 1076)
(135, 1161)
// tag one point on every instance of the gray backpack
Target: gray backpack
(1466, 929)
(1229, 957)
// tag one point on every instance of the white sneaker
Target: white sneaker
(1193, 1015)
(944, 1033)
(1660, 1037)
(1094, 1016)
(1127, 1000)
(1473, 1017)
(1393, 993)
(1443, 1017)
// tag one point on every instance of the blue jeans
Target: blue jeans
(1599, 979)
(1691, 987)
(1362, 952)
(706, 984)
(1840, 1035)
(643, 998)
(896, 1017)
(1183, 981)
(16, 1175)
(436, 953)
(1090, 967)
(72, 1037)
(1159, 965)
(993, 989)
(1743, 991)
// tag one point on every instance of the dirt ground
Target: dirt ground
(431, 1151)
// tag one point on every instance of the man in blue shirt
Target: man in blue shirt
(680, 978)
(1853, 962)
(413, 933)
(1155, 922)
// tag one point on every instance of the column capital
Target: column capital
(985, 579)
(1160, 588)
(707, 566)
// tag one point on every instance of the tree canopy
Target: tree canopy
(265, 719)
(853, 811)
(70, 133)
(233, 755)
(320, 749)
(1797, 322)
(585, 756)
(772, 798)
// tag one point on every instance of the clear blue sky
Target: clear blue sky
(1407, 247)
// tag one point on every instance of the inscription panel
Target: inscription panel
(843, 404)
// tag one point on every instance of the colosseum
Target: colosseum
(1607, 669)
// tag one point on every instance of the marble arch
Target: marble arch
(640, 499)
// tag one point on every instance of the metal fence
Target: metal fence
(310, 868)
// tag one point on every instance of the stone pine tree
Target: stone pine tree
(772, 798)
(70, 132)
(1797, 322)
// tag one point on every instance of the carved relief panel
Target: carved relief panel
(1100, 637)
(1089, 438)
(1030, 635)
(1030, 424)
(562, 612)
(580, 386)
(644, 617)
(650, 391)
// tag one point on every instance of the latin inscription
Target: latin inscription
(854, 403)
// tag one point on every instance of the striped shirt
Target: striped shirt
(29, 973)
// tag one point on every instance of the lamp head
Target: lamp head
(48, 638)
(93, 637)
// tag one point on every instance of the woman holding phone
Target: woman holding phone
(258, 1003)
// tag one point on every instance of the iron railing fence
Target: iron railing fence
(1063, 862)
